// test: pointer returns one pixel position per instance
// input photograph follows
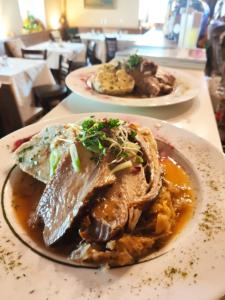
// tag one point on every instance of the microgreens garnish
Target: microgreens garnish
(108, 135)
(94, 134)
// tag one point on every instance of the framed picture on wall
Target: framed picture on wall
(99, 4)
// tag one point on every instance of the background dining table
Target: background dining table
(124, 40)
(195, 115)
(72, 51)
(23, 75)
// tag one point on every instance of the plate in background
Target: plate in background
(80, 82)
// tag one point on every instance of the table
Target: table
(153, 38)
(124, 40)
(23, 75)
(170, 57)
(195, 115)
(73, 51)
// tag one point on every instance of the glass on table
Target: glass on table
(4, 60)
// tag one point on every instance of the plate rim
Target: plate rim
(80, 116)
(83, 89)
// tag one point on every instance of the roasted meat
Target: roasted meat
(147, 81)
(103, 185)
(68, 193)
(123, 202)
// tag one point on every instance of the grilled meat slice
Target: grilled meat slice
(150, 151)
(122, 204)
(110, 213)
(69, 193)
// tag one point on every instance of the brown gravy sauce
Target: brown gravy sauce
(27, 192)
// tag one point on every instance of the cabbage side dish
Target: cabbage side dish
(136, 76)
(99, 193)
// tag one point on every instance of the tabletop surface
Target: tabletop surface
(17, 65)
(59, 46)
(118, 35)
(195, 115)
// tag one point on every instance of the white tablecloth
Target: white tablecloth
(23, 75)
(124, 40)
(73, 51)
(171, 57)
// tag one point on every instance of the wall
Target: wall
(52, 12)
(11, 22)
(124, 15)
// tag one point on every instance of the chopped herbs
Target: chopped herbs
(99, 136)
(94, 134)
(133, 61)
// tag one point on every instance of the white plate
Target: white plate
(191, 267)
(79, 81)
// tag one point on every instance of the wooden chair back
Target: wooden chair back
(10, 119)
(34, 54)
(91, 53)
(75, 38)
(111, 47)
(66, 66)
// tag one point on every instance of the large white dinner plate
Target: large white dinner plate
(79, 81)
(190, 267)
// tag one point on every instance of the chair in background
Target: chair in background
(56, 36)
(46, 96)
(14, 47)
(91, 53)
(11, 117)
(111, 48)
(34, 54)
(76, 39)
(70, 33)
(66, 66)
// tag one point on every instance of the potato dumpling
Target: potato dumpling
(113, 81)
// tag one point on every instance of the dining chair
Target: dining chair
(111, 47)
(13, 47)
(34, 54)
(71, 32)
(55, 35)
(11, 117)
(91, 53)
(46, 96)
(75, 38)
(66, 66)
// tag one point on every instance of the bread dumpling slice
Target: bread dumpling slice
(113, 81)
(33, 157)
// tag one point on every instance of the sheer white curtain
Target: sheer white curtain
(153, 11)
(34, 7)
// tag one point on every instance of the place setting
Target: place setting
(112, 174)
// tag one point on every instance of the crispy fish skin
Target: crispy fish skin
(111, 81)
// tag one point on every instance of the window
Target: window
(34, 8)
(151, 11)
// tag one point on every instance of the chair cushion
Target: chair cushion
(56, 35)
(15, 46)
(50, 91)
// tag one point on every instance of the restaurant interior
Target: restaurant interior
(112, 138)
(69, 35)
